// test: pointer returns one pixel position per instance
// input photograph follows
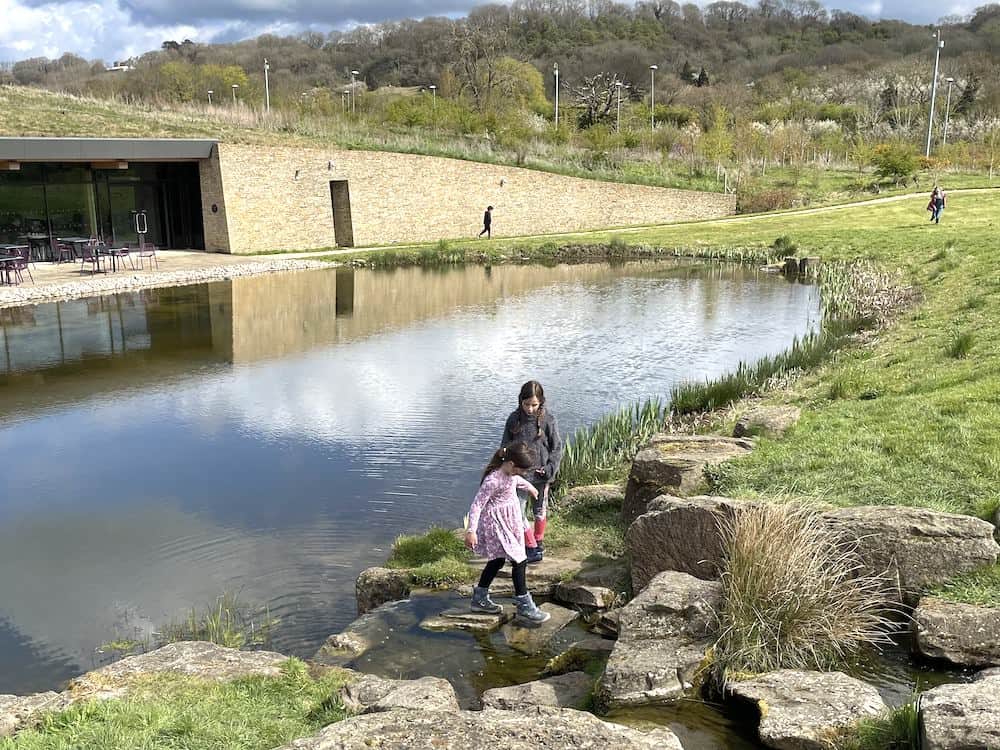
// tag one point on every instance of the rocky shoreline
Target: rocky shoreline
(26, 294)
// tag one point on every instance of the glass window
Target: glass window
(22, 209)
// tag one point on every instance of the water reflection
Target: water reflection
(272, 435)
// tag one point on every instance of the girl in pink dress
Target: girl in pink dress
(496, 530)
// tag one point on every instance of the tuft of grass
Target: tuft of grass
(980, 587)
(228, 622)
(960, 345)
(793, 595)
(174, 711)
(894, 729)
(416, 550)
(976, 302)
(443, 572)
(783, 246)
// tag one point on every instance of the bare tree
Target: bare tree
(479, 46)
(597, 95)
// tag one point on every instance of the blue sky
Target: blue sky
(116, 29)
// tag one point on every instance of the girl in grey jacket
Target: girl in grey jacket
(535, 425)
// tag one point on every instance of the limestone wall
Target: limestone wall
(279, 198)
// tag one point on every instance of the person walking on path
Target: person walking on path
(938, 200)
(533, 424)
(487, 223)
(496, 530)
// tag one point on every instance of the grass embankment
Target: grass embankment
(35, 112)
(171, 711)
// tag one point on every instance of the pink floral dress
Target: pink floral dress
(497, 519)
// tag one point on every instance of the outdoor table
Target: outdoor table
(76, 242)
(114, 253)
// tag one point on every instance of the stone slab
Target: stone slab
(533, 639)
(569, 690)
(462, 618)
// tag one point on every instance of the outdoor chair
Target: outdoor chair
(89, 254)
(21, 264)
(62, 252)
(147, 250)
(117, 254)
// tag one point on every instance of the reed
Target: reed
(228, 622)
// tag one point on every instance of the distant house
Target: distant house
(119, 65)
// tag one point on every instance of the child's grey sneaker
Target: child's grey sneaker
(527, 611)
(481, 602)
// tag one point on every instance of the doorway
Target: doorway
(343, 229)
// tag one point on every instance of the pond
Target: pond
(271, 436)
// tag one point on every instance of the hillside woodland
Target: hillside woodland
(738, 92)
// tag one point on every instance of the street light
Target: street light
(434, 99)
(210, 92)
(618, 85)
(938, 46)
(343, 99)
(354, 94)
(947, 111)
(652, 91)
(555, 72)
(267, 88)
(235, 86)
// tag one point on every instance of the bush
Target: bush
(751, 200)
(894, 161)
(793, 596)
(783, 246)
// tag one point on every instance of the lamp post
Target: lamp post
(947, 111)
(210, 92)
(235, 86)
(618, 85)
(354, 93)
(434, 100)
(652, 92)
(343, 100)
(938, 46)
(267, 88)
(555, 72)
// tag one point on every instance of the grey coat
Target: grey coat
(548, 446)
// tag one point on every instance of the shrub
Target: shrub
(894, 161)
(750, 199)
(793, 595)
(783, 246)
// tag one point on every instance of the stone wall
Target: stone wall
(279, 198)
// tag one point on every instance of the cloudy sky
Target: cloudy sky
(117, 29)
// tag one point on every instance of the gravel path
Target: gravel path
(26, 294)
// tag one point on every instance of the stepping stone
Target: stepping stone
(462, 618)
(550, 569)
(531, 639)
(578, 655)
(597, 597)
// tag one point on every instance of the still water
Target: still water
(272, 435)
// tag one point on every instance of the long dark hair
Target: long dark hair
(532, 389)
(522, 456)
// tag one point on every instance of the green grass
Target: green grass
(895, 729)
(435, 545)
(165, 712)
(588, 530)
(978, 587)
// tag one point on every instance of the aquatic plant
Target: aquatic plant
(228, 622)
(794, 595)
(416, 550)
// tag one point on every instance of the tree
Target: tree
(479, 47)
(716, 144)
(702, 78)
(597, 95)
(968, 97)
(895, 161)
(687, 73)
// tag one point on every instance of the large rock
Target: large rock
(532, 639)
(539, 728)
(570, 690)
(372, 694)
(579, 655)
(964, 634)
(376, 586)
(801, 710)
(192, 659)
(662, 638)
(915, 548)
(675, 465)
(679, 534)
(961, 717)
(769, 421)
(19, 712)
